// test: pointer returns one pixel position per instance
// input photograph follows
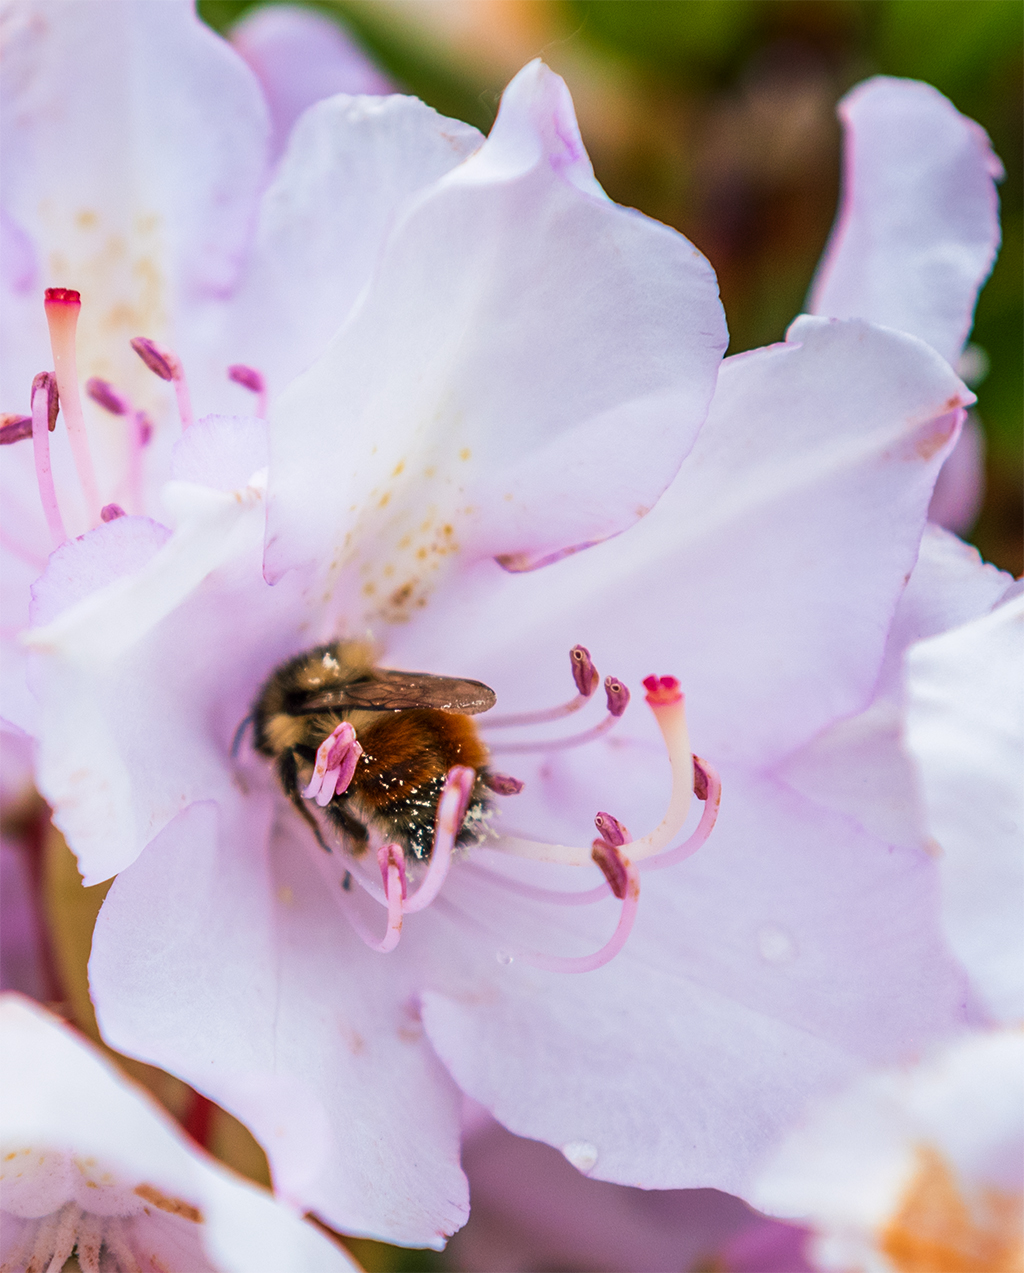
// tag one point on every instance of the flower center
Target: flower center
(59, 390)
(619, 857)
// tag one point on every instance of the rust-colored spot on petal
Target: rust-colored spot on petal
(936, 1229)
(173, 1206)
(937, 436)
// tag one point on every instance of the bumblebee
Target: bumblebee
(412, 727)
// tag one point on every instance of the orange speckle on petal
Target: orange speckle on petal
(936, 1229)
(173, 1206)
(465, 453)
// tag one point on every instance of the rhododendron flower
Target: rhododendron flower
(522, 374)
(92, 1166)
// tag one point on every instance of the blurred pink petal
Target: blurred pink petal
(913, 1168)
(918, 225)
(88, 1158)
(533, 1210)
(300, 57)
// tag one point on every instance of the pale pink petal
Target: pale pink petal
(223, 958)
(141, 135)
(965, 733)
(299, 57)
(352, 164)
(918, 225)
(522, 377)
(64, 1102)
(142, 683)
(765, 578)
(859, 765)
(754, 980)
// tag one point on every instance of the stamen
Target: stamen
(618, 700)
(44, 409)
(624, 881)
(611, 829)
(105, 395)
(250, 379)
(64, 1239)
(389, 855)
(111, 512)
(15, 427)
(167, 366)
(116, 1241)
(707, 786)
(139, 433)
(502, 784)
(666, 701)
(583, 673)
(451, 810)
(62, 306)
(336, 760)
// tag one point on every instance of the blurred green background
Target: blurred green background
(718, 117)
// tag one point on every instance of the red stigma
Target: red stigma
(62, 296)
(662, 690)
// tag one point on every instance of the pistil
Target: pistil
(62, 306)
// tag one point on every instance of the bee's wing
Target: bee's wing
(388, 691)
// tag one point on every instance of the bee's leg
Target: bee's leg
(288, 771)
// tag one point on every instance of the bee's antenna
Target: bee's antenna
(236, 742)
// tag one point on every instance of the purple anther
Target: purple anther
(48, 381)
(145, 427)
(247, 377)
(583, 671)
(111, 512)
(389, 855)
(611, 829)
(700, 779)
(612, 863)
(160, 361)
(617, 695)
(15, 427)
(103, 392)
(502, 784)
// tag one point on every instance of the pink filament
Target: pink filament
(556, 744)
(252, 380)
(167, 365)
(561, 897)
(41, 452)
(62, 307)
(704, 827)
(451, 809)
(583, 673)
(618, 939)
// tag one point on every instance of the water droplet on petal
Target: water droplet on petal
(582, 1154)
(775, 944)
(504, 957)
